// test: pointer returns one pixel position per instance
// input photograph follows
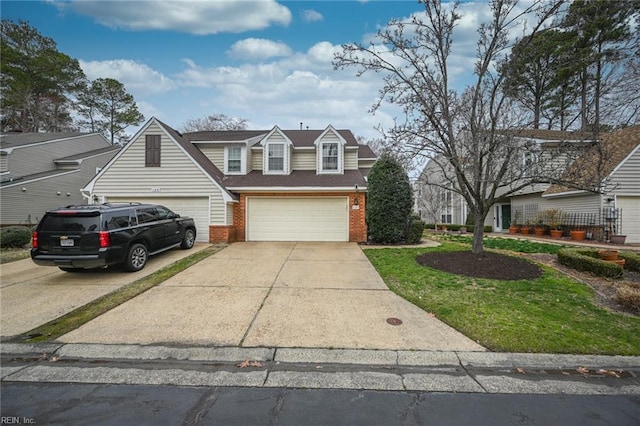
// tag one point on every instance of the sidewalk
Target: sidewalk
(431, 371)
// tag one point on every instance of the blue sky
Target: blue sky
(266, 61)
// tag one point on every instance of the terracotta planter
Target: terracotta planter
(525, 230)
(578, 235)
(539, 231)
(618, 262)
(617, 239)
(556, 233)
(513, 230)
(608, 255)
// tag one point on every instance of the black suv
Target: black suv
(94, 236)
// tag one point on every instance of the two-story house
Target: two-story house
(248, 185)
(42, 171)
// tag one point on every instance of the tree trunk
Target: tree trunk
(478, 233)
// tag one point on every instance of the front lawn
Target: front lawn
(551, 314)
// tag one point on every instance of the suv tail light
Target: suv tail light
(105, 241)
(34, 239)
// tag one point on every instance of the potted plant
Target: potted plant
(554, 219)
(578, 234)
(539, 229)
(526, 229)
(617, 239)
(513, 227)
(608, 255)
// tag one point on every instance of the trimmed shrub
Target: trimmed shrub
(15, 236)
(632, 260)
(415, 230)
(588, 260)
(389, 201)
(452, 227)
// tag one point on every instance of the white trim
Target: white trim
(565, 194)
(319, 142)
(286, 143)
(296, 189)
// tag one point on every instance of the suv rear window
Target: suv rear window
(70, 223)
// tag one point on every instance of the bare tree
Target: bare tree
(214, 122)
(471, 136)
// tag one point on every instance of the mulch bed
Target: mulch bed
(481, 265)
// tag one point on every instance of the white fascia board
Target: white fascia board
(276, 129)
(23, 181)
(331, 129)
(565, 194)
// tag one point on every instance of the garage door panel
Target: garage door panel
(195, 207)
(297, 219)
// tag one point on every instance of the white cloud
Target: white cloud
(311, 15)
(138, 78)
(257, 48)
(188, 16)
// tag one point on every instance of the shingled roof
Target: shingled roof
(589, 170)
(299, 138)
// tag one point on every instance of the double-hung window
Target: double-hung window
(329, 156)
(275, 157)
(234, 159)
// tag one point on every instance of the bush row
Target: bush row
(15, 236)
(455, 228)
(632, 260)
(588, 260)
(629, 295)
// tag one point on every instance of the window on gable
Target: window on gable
(329, 156)
(276, 157)
(152, 151)
(234, 159)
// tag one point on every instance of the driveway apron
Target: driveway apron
(308, 295)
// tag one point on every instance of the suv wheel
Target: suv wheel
(137, 257)
(189, 239)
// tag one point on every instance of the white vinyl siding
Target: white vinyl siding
(297, 219)
(229, 214)
(178, 176)
(304, 160)
(256, 159)
(4, 163)
(626, 179)
(324, 157)
(276, 146)
(630, 217)
(215, 154)
(351, 160)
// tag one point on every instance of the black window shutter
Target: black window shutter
(152, 151)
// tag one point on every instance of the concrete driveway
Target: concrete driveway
(32, 295)
(312, 295)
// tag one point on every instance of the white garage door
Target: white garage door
(195, 207)
(630, 217)
(297, 219)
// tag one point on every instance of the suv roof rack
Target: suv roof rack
(131, 203)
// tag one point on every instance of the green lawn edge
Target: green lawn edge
(70, 321)
(552, 314)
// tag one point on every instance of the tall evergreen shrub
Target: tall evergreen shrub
(389, 201)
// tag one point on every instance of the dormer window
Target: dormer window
(234, 160)
(275, 157)
(330, 156)
(330, 147)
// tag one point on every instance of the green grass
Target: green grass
(552, 314)
(520, 246)
(74, 319)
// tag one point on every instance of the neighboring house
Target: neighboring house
(247, 185)
(42, 171)
(438, 202)
(617, 177)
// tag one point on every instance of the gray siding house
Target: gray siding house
(613, 173)
(42, 171)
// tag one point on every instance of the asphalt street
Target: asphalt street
(79, 404)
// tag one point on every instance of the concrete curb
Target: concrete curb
(398, 358)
